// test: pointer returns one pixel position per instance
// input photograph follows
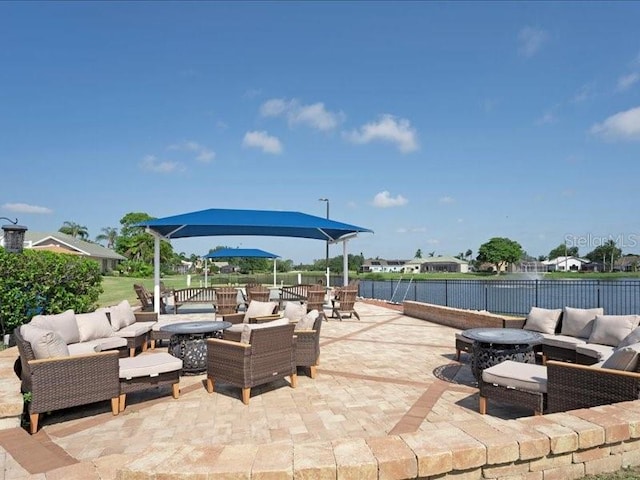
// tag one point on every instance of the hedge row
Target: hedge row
(45, 282)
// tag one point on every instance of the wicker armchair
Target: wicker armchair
(65, 382)
(308, 347)
(344, 303)
(268, 356)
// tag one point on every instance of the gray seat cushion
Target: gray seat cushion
(522, 376)
(563, 341)
(594, 350)
(134, 330)
(150, 365)
(542, 320)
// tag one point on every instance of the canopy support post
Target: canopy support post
(156, 274)
(345, 264)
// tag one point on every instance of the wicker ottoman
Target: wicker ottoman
(146, 371)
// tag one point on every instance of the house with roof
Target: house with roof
(62, 243)
(566, 264)
(444, 263)
(378, 265)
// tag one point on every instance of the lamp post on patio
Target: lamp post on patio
(327, 247)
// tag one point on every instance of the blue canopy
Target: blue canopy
(241, 252)
(215, 221)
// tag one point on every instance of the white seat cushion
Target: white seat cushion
(523, 376)
(63, 323)
(249, 327)
(134, 330)
(294, 311)
(564, 341)
(121, 315)
(93, 325)
(542, 320)
(307, 321)
(612, 329)
(150, 365)
(259, 309)
(578, 322)
(44, 343)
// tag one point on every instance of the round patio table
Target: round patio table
(189, 342)
(495, 345)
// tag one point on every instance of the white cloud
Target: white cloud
(627, 81)
(531, 40)
(585, 92)
(385, 200)
(621, 126)
(252, 93)
(315, 115)
(446, 199)
(411, 230)
(203, 154)
(26, 208)
(262, 140)
(433, 241)
(387, 129)
(152, 164)
(547, 119)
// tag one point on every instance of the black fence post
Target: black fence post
(446, 293)
(536, 304)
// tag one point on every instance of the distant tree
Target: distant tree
(500, 251)
(137, 245)
(608, 252)
(542, 258)
(418, 254)
(562, 250)
(468, 254)
(110, 235)
(75, 230)
(459, 256)
(432, 254)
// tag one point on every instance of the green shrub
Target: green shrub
(45, 282)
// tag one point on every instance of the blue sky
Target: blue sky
(437, 125)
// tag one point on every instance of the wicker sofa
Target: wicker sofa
(563, 386)
(66, 381)
(583, 336)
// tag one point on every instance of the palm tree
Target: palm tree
(75, 230)
(109, 234)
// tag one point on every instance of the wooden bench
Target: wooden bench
(194, 295)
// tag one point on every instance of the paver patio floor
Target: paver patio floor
(386, 374)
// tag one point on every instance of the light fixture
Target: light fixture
(13, 236)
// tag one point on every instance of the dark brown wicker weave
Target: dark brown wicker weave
(463, 345)
(130, 385)
(269, 356)
(570, 386)
(65, 382)
(552, 352)
(308, 347)
(344, 303)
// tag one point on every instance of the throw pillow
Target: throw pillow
(612, 329)
(633, 337)
(121, 315)
(44, 343)
(63, 323)
(624, 358)
(294, 311)
(249, 327)
(542, 320)
(93, 326)
(578, 322)
(259, 309)
(306, 322)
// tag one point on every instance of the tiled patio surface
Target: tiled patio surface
(386, 374)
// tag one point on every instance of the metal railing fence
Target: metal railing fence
(515, 297)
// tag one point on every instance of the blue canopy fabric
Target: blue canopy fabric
(241, 252)
(229, 222)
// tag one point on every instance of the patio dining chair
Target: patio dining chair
(344, 303)
(315, 299)
(226, 300)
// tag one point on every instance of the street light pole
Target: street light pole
(327, 246)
